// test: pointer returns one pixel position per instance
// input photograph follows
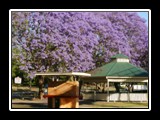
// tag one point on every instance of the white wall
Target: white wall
(116, 96)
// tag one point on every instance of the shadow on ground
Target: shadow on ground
(86, 102)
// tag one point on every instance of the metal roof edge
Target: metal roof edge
(123, 77)
(63, 73)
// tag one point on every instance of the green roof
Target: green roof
(121, 69)
(119, 56)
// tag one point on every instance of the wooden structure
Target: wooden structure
(63, 94)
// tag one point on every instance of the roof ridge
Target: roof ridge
(111, 67)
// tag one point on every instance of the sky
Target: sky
(144, 15)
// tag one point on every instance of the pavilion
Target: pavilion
(118, 70)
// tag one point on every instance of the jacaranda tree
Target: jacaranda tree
(77, 41)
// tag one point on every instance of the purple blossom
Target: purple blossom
(76, 41)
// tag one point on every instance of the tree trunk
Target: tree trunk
(40, 92)
(30, 84)
(104, 87)
(41, 81)
(117, 86)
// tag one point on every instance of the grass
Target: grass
(121, 105)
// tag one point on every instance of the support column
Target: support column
(107, 90)
(147, 91)
(80, 87)
(104, 86)
(96, 86)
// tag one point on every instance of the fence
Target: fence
(116, 96)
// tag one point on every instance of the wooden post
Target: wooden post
(107, 90)
(51, 102)
(147, 91)
(80, 87)
(128, 92)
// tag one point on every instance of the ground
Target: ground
(17, 103)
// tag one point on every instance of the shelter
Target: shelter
(63, 93)
(119, 70)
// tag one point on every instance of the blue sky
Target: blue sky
(144, 15)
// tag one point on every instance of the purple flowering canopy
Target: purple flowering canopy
(77, 41)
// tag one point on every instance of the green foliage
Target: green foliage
(15, 69)
(17, 72)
